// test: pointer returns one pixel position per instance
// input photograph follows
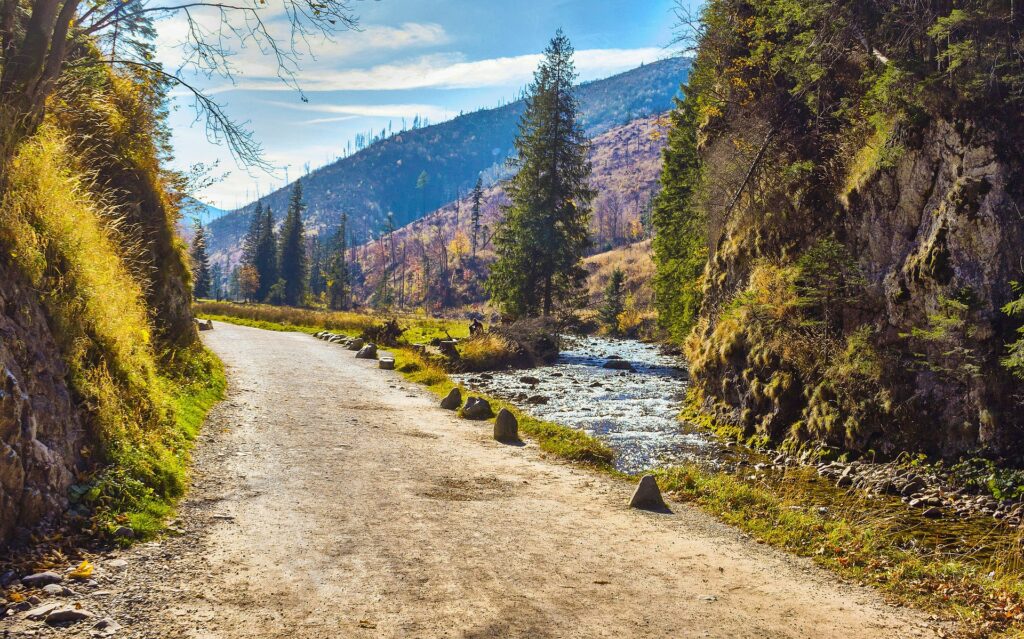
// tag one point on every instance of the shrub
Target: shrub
(489, 351)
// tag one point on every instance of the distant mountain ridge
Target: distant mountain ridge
(383, 178)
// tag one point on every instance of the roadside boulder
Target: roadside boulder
(356, 344)
(506, 427)
(367, 352)
(453, 401)
(477, 409)
(387, 363)
(647, 495)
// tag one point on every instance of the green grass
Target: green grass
(141, 485)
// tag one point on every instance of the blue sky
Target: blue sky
(430, 58)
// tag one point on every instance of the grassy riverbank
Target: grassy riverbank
(970, 571)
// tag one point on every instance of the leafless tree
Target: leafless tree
(38, 38)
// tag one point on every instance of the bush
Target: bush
(489, 351)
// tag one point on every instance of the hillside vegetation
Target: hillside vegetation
(839, 229)
(383, 178)
(102, 360)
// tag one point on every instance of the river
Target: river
(635, 412)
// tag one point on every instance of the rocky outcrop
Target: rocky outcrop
(936, 237)
(41, 433)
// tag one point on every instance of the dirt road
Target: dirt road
(332, 499)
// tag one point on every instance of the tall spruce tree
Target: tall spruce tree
(259, 253)
(292, 254)
(317, 267)
(338, 284)
(201, 280)
(474, 215)
(542, 241)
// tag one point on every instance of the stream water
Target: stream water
(634, 412)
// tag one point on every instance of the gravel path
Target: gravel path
(332, 499)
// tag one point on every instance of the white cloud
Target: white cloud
(343, 112)
(450, 71)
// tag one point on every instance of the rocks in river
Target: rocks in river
(356, 344)
(506, 427)
(387, 363)
(477, 408)
(41, 579)
(532, 381)
(647, 495)
(537, 400)
(618, 365)
(367, 352)
(453, 401)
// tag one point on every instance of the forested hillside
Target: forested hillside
(417, 171)
(442, 260)
(840, 226)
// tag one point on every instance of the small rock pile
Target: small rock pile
(56, 600)
(918, 490)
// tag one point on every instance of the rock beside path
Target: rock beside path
(647, 495)
(367, 352)
(477, 409)
(506, 427)
(387, 363)
(453, 401)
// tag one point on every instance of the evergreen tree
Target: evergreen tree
(317, 267)
(614, 302)
(292, 253)
(260, 253)
(201, 281)
(477, 197)
(217, 281)
(338, 284)
(545, 234)
(680, 229)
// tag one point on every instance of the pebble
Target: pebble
(41, 579)
(67, 615)
(57, 590)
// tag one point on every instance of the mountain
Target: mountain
(450, 156)
(192, 208)
(626, 168)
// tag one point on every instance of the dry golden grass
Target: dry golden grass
(636, 262)
(487, 351)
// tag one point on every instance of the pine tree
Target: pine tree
(477, 197)
(317, 267)
(614, 302)
(545, 234)
(338, 284)
(201, 281)
(260, 252)
(292, 253)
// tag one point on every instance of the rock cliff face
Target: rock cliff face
(946, 222)
(41, 433)
(865, 223)
(937, 238)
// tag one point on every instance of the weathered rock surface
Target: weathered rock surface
(477, 408)
(40, 579)
(453, 400)
(367, 352)
(647, 495)
(506, 427)
(387, 363)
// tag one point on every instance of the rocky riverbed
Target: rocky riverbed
(624, 392)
